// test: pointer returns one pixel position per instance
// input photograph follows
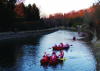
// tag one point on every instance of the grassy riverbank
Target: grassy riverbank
(11, 35)
(96, 51)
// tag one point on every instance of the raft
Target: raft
(54, 62)
(60, 48)
(43, 61)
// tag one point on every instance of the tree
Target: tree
(2, 13)
(28, 12)
(20, 10)
(8, 15)
(35, 13)
(87, 20)
(96, 17)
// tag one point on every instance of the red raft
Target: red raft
(43, 61)
(54, 62)
(60, 48)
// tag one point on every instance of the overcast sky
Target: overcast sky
(63, 6)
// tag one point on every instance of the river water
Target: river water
(24, 54)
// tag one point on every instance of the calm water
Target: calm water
(24, 54)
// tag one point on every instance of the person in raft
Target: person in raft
(52, 58)
(55, 45)
(59, 56)
(48, 56)
(61, 44)
(54, 54)
(45, 57)
(61, 53)
(67, 45)
(74, 37)
(44, 54)
(78, 32)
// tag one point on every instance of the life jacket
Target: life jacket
(67, 44)
(44, 55)
(51, 59)
(55, 45)
(59, 56)
(55, 58)
(78, 32)
(61, 44)
(62, 53)
(73, 36)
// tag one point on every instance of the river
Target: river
(24, 54)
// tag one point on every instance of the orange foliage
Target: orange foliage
(19, 9)
(71, 14)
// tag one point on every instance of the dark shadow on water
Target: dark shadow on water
(8, 50)
(45, 66)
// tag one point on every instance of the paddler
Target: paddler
(59, 56)
(54, 53)
(61, 53)
(74, 37)
(61, 44)
(44, 54)
(51, 58)
(67, 44)
(78, 32)
(55, 45)
(48, 56)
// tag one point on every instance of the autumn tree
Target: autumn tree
(20, 11)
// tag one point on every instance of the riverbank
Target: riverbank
(96, 48)
(11, 35)
(96, 51)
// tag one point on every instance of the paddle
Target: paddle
(63, 58)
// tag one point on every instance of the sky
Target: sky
(60, 6)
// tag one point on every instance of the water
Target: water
(24, 54)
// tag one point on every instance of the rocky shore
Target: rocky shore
(96, 49)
